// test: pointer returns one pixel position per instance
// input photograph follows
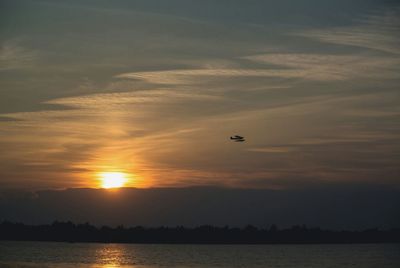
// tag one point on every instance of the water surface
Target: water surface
(86, 255)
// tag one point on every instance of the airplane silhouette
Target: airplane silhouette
(238, 138)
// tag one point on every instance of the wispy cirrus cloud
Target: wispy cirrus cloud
(190, 76)
(306, 66)
(377, 31)
(135, 97)
(325, 67)
(15, 56)
(309, 67)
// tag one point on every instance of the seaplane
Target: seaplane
(237, 138)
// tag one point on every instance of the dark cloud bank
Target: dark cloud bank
(347, 207)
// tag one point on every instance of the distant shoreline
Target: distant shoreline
(86, 233)
(205, 244)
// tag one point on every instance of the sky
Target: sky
(154, 89)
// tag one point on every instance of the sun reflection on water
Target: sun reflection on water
(111, 255)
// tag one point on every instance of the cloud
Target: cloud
(94, 106)
(13, 56)
(325, 67)
(137, 97)
(309, 67)
(189, 146)
(96, 132)
(185, 76)
(306, 66)
(379, 31)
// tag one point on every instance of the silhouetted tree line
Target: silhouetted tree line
(206, 234)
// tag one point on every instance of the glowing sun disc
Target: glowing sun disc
(113, 179)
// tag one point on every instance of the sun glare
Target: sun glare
(113, 179)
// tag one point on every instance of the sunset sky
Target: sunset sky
(153, 90)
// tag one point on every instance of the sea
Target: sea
(97, 255)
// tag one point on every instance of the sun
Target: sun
(113, 179)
